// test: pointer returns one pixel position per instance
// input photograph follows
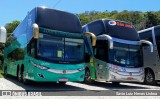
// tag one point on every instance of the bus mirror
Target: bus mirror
(93, 37)
(35, 31)
(148, 43)
(3, 35)
(108, 38)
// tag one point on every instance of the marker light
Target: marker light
(36, 31)
(39, 66)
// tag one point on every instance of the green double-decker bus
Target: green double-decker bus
(48, 46)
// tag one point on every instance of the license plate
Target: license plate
(130, 78)
(63, 79)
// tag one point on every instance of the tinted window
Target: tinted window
(101, 50)
(17, 54)
(10, 40)
(60, 49)
(157, 36)
(58, 20)
(31, 48)
(146, 36)
(125, 55)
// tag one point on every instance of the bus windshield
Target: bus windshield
(126, 55)
(60, 49)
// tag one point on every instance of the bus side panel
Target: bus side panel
(149, 59)
(102, 71)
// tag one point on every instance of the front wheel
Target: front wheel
(88, 78)
(19, 76)
(149, 78)
(116, 83)
(24, 80)
(62, 83)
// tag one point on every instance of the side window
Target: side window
(146, 36)
(17, 54)
(10, 40)
(31, 48)
(101, 51)
(157, 37)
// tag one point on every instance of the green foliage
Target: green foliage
(10, 27)
(140, 20)
(153, 18)
(1, 73)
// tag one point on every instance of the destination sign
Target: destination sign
(121, 24)
(60, 33)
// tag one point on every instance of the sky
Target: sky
(11, 10)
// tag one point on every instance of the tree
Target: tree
(10, 27)
(152, 19)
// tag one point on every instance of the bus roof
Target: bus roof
(51, 19)
(58, 20)
(115, 28)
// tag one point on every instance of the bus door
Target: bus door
(100, 58)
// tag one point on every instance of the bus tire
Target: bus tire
(19, 75)
(149, 78)
(62, 83)
(116, 83)
(88, 78)
(5, 72)
(24, 80)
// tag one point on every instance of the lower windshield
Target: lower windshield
(60, 49)
(126, 55)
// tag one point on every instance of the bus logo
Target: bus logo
(130, 74)
(64, 72)
(112, 23)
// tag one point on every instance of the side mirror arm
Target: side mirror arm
(148, 43)
(93, 37)
(108, 38)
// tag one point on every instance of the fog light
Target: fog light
(112, 76)
(40, 75)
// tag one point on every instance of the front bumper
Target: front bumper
(46, 76)
(124, 77)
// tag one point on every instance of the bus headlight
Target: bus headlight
(80, 69)
(39, 66)
(117, 68)
(122, 69)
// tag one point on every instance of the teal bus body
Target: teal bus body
(57, 54)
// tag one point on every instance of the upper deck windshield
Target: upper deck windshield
(60, 49)
(126, 55)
